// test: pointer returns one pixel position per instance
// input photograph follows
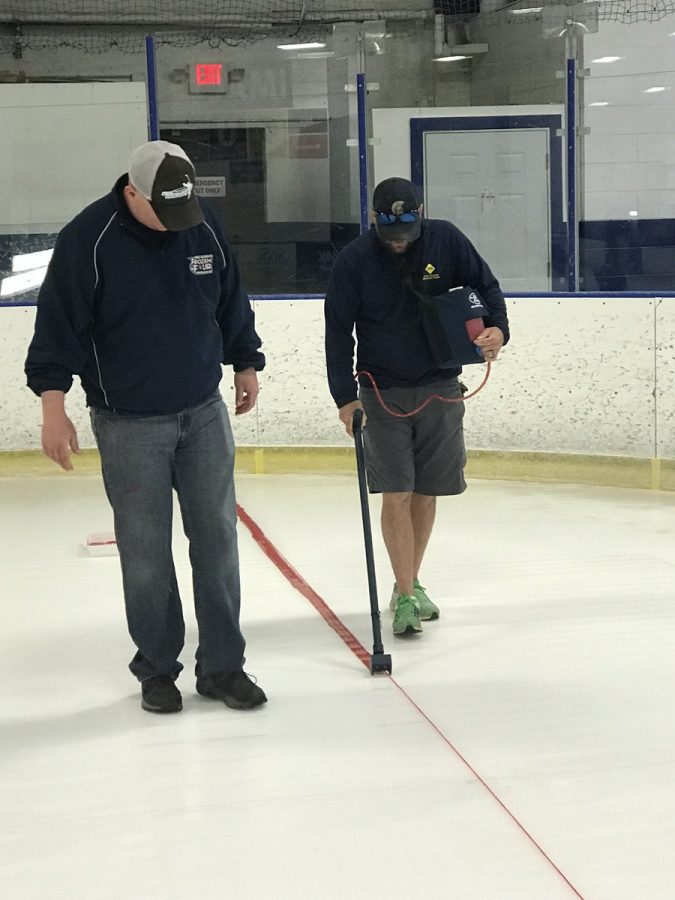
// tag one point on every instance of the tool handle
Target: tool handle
(357, 421)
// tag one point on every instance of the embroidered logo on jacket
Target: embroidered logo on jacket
(201, 265)
(430, 272)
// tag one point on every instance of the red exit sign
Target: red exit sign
(207, 78)
(208, 73)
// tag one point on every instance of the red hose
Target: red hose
(419, 408)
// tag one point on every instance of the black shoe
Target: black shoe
(160, 695)
(235, 689)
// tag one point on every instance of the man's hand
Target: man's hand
(59, 437)
(346, 414)
(246, 391)
(490, 342)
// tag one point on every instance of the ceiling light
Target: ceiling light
(600, 103)
(633, 213)
(316, 54)
(654, 90)
(607, 59)
(309, 46)
(524, 12)
(449, 58)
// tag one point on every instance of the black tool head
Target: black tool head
(380, 662)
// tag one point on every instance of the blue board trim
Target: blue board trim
(571, 131)
(153, 122)
(363, 150)
(276, 298)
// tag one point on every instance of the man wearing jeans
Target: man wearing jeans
(376, 290)
(142, 300)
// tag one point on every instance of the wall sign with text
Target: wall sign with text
(210, 185)
(208, 78)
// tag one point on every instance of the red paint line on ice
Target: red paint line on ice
(301, 585)
(487, 787)
(362, 654)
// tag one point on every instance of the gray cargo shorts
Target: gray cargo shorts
(424, 453)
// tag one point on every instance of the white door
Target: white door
(494, 185)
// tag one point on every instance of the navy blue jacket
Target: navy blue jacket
(145, 318)
(367, 291)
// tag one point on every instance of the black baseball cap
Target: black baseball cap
(395, 197)
(164, 174)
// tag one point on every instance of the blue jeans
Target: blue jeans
(143, 459)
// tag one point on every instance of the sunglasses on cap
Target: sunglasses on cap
(392, 219)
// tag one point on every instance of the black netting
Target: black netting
(99, 39)
(523, 11)
(99, 25)
(631, 11)
(215, 13)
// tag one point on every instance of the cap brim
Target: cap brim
(399, 231)
(179, 216)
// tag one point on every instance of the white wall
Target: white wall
(582, 375)
(629, 154)
(63, 145)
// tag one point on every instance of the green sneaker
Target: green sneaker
(428, 609)
(406, 615)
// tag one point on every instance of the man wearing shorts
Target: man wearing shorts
(375, 292)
